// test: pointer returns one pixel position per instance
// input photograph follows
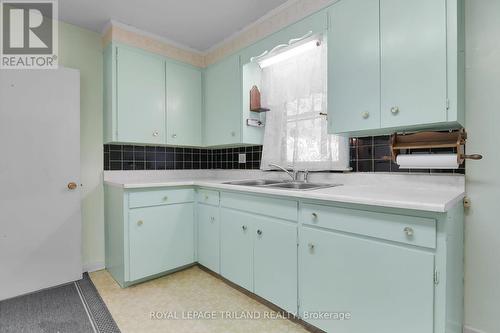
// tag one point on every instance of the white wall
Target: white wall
(482, 254)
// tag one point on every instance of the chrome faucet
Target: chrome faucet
(293, 173)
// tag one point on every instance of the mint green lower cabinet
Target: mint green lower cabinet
(390, 270)
(236, 257)
(148, 232)
(208, 237)
(384, 287)
(161, 239)
(275, 262)
(259, 252)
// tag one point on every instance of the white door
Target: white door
(40, 218)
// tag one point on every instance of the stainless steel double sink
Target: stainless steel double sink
(280, 184)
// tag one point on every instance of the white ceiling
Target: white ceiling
(197, 24)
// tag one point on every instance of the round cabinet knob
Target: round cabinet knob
(365, 115)
(174, 136)
(311, 246)
(314, 215)
(72, 186)
(233, 133)
(212, 219)
(395, 110)
(244, 227)
(408, 231)
(259, 232)
(156, 133)
(140, 222)
(165, 198)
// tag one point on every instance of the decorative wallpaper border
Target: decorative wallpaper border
(277, 19)
(124, 35)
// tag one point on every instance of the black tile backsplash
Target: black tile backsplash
(128, 157)
(366, 155)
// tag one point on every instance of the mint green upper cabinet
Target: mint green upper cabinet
(395, 65)
(223, 102)
(140, 84)
(354, 66)
(149, 99)
(385, 288)
(161, 238)
(413, 62)
(184, 105)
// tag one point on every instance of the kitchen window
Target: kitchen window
(294, 87)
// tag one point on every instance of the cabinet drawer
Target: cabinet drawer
(159, 197)
(280, 208)
(208, 197)
(399, 228)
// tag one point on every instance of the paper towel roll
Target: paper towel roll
(427, 161)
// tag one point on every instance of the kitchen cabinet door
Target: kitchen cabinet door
(208, 237)
(223, 102)
(161, 239)
(236, 258)
(384, 287)
(140, 97)
(184, 98)
(275, 262)
(413, 62)
(353, 66)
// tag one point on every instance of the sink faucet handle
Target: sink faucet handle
(306, 175)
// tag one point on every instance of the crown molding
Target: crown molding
(131, 28)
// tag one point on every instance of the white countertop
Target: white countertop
(437, 195)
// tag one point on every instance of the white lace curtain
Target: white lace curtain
(295, 133)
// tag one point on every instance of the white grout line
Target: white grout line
(86, 308)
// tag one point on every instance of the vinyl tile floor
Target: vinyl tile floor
(170, 303)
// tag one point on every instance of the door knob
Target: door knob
(395, 110)
(311, 246)
(259, 232)
(365, 115)
(174, 136)
(72, 185)
(156, 133)
(244, 227)
(408, 231)
(139, 223)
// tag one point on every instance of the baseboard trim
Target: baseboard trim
(308, 327)
(468, 329)
(93, 266)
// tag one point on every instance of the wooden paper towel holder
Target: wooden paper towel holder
(426, 140)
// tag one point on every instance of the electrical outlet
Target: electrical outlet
(242, 158)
